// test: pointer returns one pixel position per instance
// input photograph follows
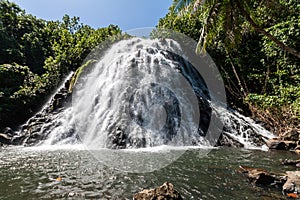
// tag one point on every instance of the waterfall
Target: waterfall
(141, 94)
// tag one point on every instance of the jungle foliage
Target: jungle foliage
(35, 56)
(261, 76)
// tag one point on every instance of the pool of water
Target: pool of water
(29, 173)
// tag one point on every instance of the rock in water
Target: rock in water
(262, 177)
(9, 132)
(289, 182)
(164, 192)
(5, 139)
(291, 162)
(292, 185)
(279, 144)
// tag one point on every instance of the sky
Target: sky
(127, 14)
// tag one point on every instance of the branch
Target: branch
(265, 33)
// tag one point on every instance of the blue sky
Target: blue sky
(128, 14)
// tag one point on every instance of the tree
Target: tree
(35, 55)
(230, 17)
(250, 61)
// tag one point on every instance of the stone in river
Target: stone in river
(164, 192)
(262, 177)
(291, 162)
(292, 185)
(281, 144)
(5, 139)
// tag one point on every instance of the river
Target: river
(71, 172)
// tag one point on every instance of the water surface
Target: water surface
(35, 174)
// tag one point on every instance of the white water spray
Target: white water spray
(136, 96)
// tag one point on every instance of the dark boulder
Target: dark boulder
(58, 101)
(164, 192)
(262, 177)
(5, 139)
(8, 131)
(291, 162)
(292, 185)
(117, 139)
(34, 138)
(279, 144)
(289, 182)
(18, 139)
(226, 140)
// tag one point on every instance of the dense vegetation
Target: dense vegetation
(35, 55)
(255, 45)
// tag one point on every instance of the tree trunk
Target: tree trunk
(265, 33)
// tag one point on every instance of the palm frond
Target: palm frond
(181, 5)
(197, 4)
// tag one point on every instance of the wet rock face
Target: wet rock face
(117, 139)
(6, 136)
(226, 140)
(36, 128)
(164, 192)
(40, 126)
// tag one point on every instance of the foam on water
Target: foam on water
(56, 147)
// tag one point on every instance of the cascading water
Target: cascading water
(134, 98)
(141, 94)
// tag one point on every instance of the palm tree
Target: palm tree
(229, 16)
